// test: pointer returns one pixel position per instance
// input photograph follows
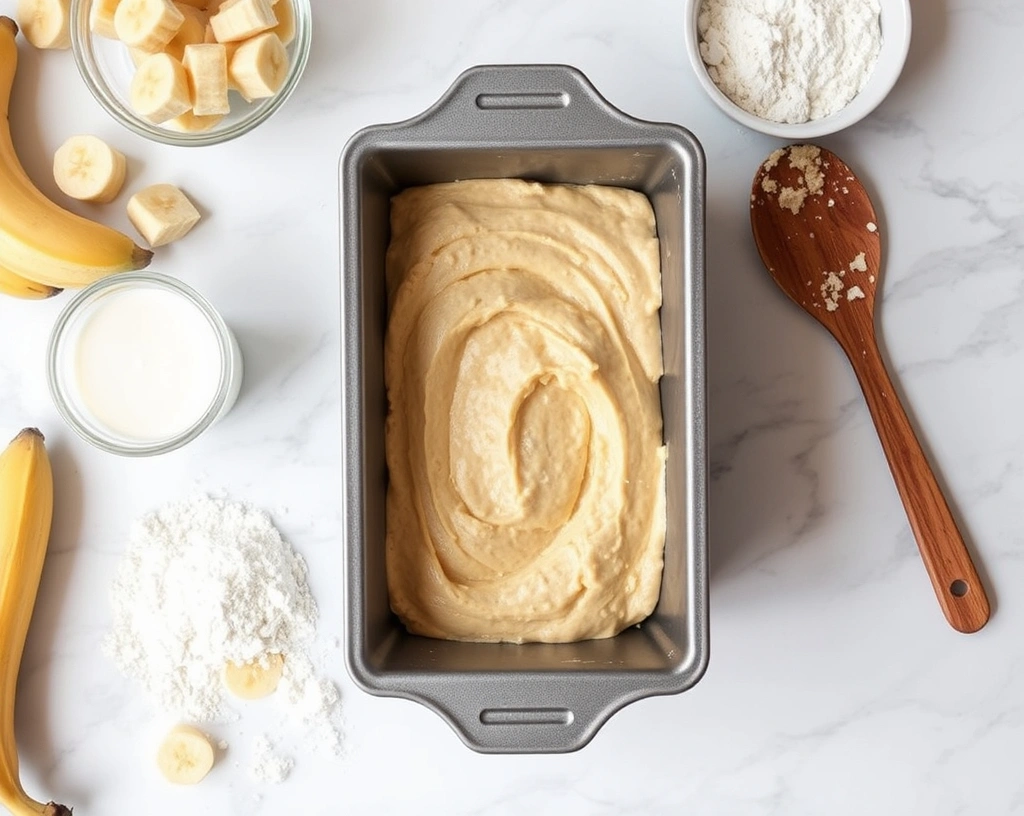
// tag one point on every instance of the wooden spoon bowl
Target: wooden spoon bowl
(817, 234)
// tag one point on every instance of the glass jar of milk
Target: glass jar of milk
(141, 364)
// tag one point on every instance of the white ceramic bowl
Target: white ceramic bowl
(895, 24)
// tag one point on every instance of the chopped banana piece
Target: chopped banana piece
(45, 23)
(159, 89)
(188, 122)
(101, 18)
(138, 56)
(162, 213)
(89, 169)
(192, 31)
(185, 756)
(242, 19)
(207, 68)
(253, 681)
(259, 66)
(285, 28)
(147, 24)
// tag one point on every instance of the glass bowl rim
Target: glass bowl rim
(81, 48)
(60, 393)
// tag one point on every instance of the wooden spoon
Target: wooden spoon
(817, 233)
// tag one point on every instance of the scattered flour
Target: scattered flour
(204, 581)
(790, 60)
(855, 293)
(859, 264)
(831, 290)
(872, 227)
(792, 199)
(267, 765)
(806, 160)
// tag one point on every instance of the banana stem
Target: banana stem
(53, 809)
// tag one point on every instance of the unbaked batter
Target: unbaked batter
(523, 352)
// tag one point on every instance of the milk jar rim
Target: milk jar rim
(62, 340)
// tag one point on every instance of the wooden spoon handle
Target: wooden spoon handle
(959, 590)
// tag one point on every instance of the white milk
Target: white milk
(147, 363)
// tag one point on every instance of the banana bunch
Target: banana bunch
(26, 508)
(43, 247)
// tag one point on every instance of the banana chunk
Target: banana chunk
(45, 23)
(162, 213)
(185, 756)
(89, 169)
(192, 31)
(242, 19)
(188, 122)
(253, 681)
(101, 18)
(147, 24)
(285, 28)
(207, 69)
(259, 66)
(159, 89)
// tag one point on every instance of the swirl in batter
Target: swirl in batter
(526, 499)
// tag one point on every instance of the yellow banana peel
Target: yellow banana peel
(40, 240)
(26, 510)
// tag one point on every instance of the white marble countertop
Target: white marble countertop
(835, 685)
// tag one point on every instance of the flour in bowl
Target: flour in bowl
(790, 61)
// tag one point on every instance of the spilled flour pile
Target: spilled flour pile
(206, 581)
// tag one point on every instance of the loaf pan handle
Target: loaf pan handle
(535, 718)
(520, 105)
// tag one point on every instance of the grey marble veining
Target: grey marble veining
(835, 685)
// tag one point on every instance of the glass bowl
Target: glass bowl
(107, 68)
(62, 360)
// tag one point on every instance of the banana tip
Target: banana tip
(8, 23)
(32, 432)
(141, 257)
(53, 809)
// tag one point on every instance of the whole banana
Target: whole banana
(17, 286)
(26, 509)
(40, 240)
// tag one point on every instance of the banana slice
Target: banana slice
(242, 19)
(188, 122)
(185, 756)
(162, 213)
(285, 28)
(253, 681)
(207, 68)
(89, 169)
(45, 23)
(138, 56)
(159, 89)
(192, 32)
(101, 18)
(147, 24)
(259, 66)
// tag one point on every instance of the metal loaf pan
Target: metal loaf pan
(549, 124)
